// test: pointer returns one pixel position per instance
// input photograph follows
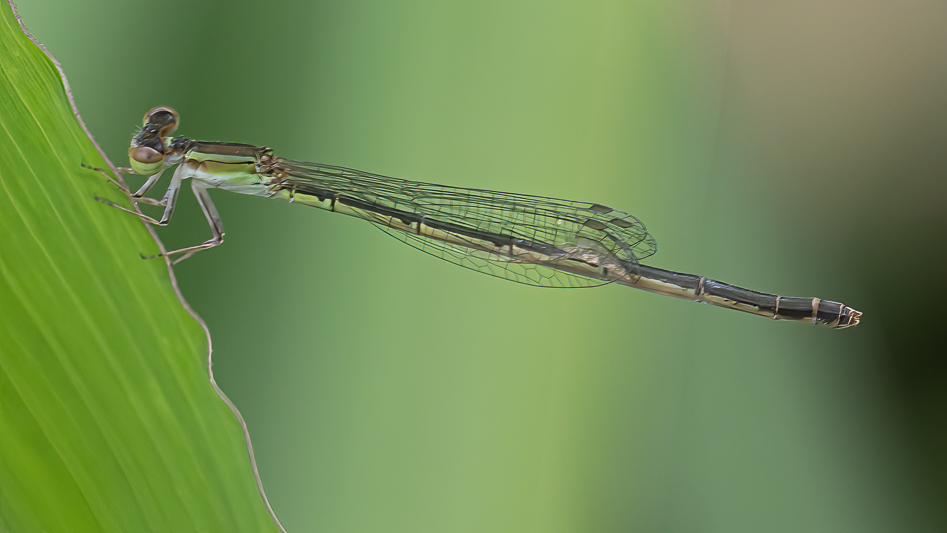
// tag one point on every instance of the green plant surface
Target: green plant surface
(107, 419)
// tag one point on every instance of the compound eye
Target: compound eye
(145, 155)
(164, 118)
(144, 160)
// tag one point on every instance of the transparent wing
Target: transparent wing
(486, 231)
(494, 264)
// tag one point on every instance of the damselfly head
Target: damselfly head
(147, 152)
(164, 118)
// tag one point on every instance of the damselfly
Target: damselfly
(547, 242)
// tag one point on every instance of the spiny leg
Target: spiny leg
(142, 216)
(209, 209)
(114, 182)
(149, 183)
(124, 188)
(170, 199)
(213, 220)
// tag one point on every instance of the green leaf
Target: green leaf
(107, 419)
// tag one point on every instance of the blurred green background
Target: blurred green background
(792, 147)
